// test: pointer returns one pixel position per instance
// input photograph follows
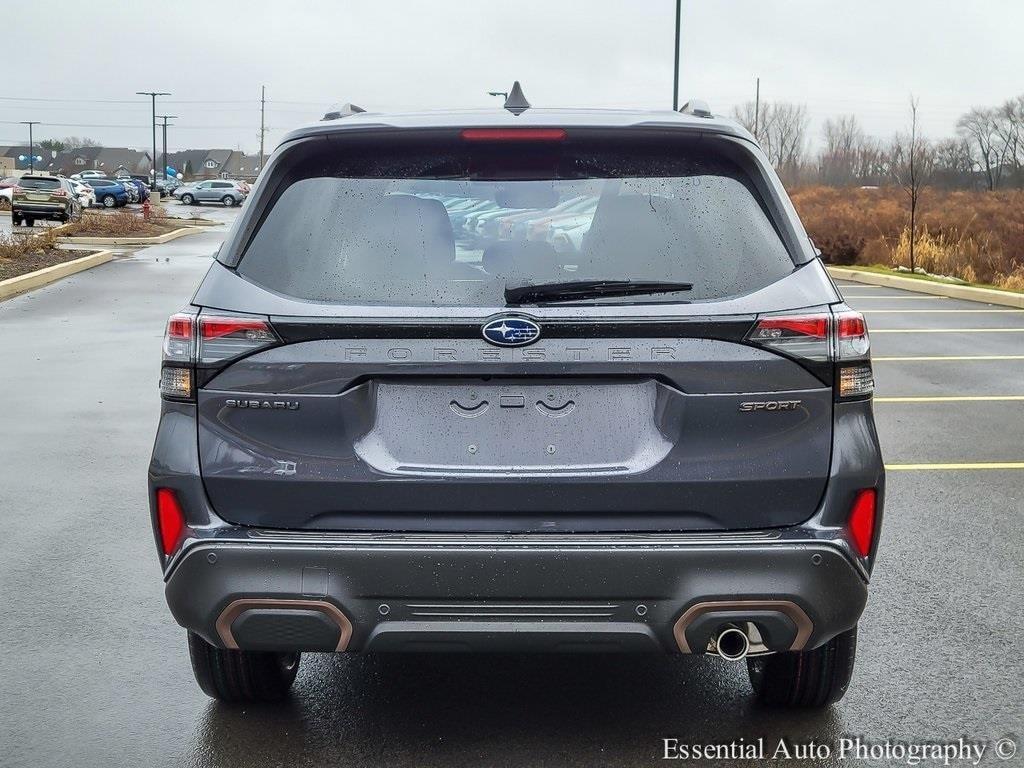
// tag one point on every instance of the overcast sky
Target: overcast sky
(78, 71)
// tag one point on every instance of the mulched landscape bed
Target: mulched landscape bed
(30, 262)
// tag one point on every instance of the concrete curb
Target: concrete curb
(130, 240)
(952, 291)
(22, 283)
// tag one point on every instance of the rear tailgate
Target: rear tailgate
(380, 405)
(660, 426)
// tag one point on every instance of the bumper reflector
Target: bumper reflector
(170, 518)
(862, 521)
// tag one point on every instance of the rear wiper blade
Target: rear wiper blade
(588, 289)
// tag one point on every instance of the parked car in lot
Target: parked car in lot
(374, 438)
(43, 197)
(7, 186)
(109, 193)
(167, 186)
(212, 191)
(85, 193)
(89, 175)
(137, 191)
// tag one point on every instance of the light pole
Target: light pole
(165, 118)
(675, 70)
(31, 145)
(152, 95)
(503, 94)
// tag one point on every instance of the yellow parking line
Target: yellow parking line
(949, 399)
(939, 311)
(900, 298)
(941, 358)
(875, 331)
(971, 465)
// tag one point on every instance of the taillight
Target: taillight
(193, 344)
(861, 523)
(513, 134)
(840, 337)
(222, 338)
(805, 336)
(59, 193)
(177, 376)
(853, 347)
(170, 519)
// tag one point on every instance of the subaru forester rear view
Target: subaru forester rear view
(519, 380)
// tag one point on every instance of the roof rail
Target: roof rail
(516, 102)
(697, 108)
(345, 110)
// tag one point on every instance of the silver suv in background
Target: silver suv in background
(212, 191)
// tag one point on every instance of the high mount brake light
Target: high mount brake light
(207, 341)
(513, 134)
(841, 337)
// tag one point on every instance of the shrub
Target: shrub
(117, 224)
(976, 236)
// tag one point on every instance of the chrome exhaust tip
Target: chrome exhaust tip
(732, 644)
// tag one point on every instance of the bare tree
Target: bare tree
(77, 142)
(781, 131)
(954, 163)
(838, 160)
(981, 127)
(911, 163)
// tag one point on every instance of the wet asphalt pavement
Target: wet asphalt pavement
(94, 671)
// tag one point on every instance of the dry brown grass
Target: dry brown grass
(123, 223)
(975, 236)
(17, 246)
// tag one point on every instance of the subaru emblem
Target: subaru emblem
(511, 331)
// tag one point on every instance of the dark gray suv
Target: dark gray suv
(380, 434)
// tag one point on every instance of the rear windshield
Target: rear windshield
(27, 183)
(456, 225)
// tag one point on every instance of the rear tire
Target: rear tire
(228, 201)
(810, 679)
(242, 676)
(109, 201)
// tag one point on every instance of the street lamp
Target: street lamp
(503, 94)
(31, 146)
(152, 95)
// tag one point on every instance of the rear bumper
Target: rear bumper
(485, 593)
(40, 210)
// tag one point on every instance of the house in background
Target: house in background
(109, 160)
(198, 164)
